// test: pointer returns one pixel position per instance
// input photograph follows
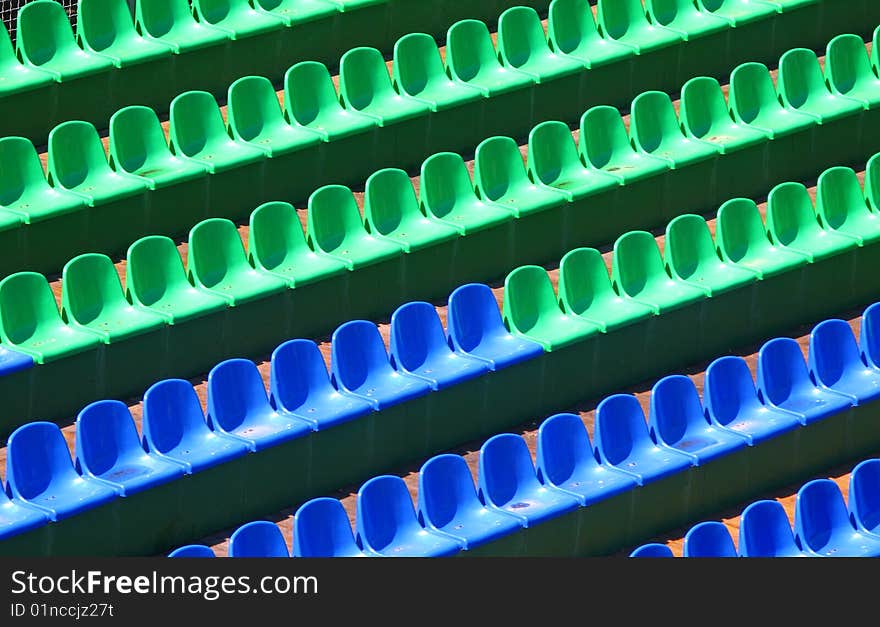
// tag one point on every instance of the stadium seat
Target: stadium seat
(864, 496)
(652, 550)
(835, 363)
(105, 27)
(17, 519)
(258, 539)
(572, 31)
(172, 23)
(236, 17)
(705, 116)
(18, 77)
(321, 529)
(803, 88)
(193, 550)
(842, 208)
(708, 539)
(849, 72)
(764, 531)
(822, 526)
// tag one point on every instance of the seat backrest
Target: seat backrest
(75, 152)
(729, 390)
(664, 12)
(258, 539)
(472, 316)
(235, 392)
(846, 62)
(356, 351)
(416, 334)
(765, 531)
(709, 539)
(498, 168)
(195, 121)
(571, 25)
(563, 447)
(675, 409)
(252, 107)
(215, 249)
(620, 429)
(869, 334)
(172, 416)
(309, 92)
(583, 280)
(800, 77)
(833, 350)
(43, 32)
(20, 169)
(751, 90)
(520, 35)
(444, 180)
(469, 49)
(37, 456)
(333, 217)
(819, 511)
(839, 195)
(105, 434)
(389, 198)
(872, 183)
(602, 136)
(136, 138)
(193, 550)
(652, 120)
(636, 260)
(505, 467)
(702, 105)
(739, 230)
(551, 151)
(321, 529)
(153, 269)
(653, 549)
(100, 23)
(864, 494)
(445, 488)
(7, 51)
(617, 17)
(417, 63)
(781, 370)
(274, 235)
(689, 245)
(90, 285)
(528, 296)
(363, 77)
(384, 511)
(26, 306)
(790, 213)
(157, 18)
(214, 11)
(297, 369)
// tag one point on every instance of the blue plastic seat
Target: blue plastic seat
(175, 428)
(321, 529)
(193, 550)
(822, 526)
(676, 418)
(16, 518)
(566, 460)
(13, 361)
(784, 382)
(448, 504)
(508, 481)
(869, 336)
(300, 385)
(864, 496)
(239, 407)
(386, 522)
(258, 539)
(652, 550)
(623, 441)
(709, 539)
(419, 348)
(731, 402)
(360, 366)
(40, 473)
(835, 362)
(108, 448)
(476, 329)
(765, 531)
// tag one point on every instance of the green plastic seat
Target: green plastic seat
(138, 146)
(31, 323)
(92, 299)
(553, 160)
(237, 17)
(705, 116)
(217, 262)
(299, 11)
(626, 21)
(24, 189)
(738, 12)
(419, 72)
(78, 163)
(849, 72)
(391, 210)
(18, 77)
(803, 88)
(335, 229)
(255, 117)
(277, 244)
(105, 27)
(685, 18)
(171, 22)
(471, 58)
(792, 222)
(572, 31)
(197, 132)
(872, 183)
(605, 147)
(585, 291)
(365, 86)
(753, 101)
(156, 279)
(841, 206)
(655, 131)
(532, 310)
(522, 45)
(692, 257)
(638, 272)
(743, 240)
(45, 41)
(448, 194)
(310, 100)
